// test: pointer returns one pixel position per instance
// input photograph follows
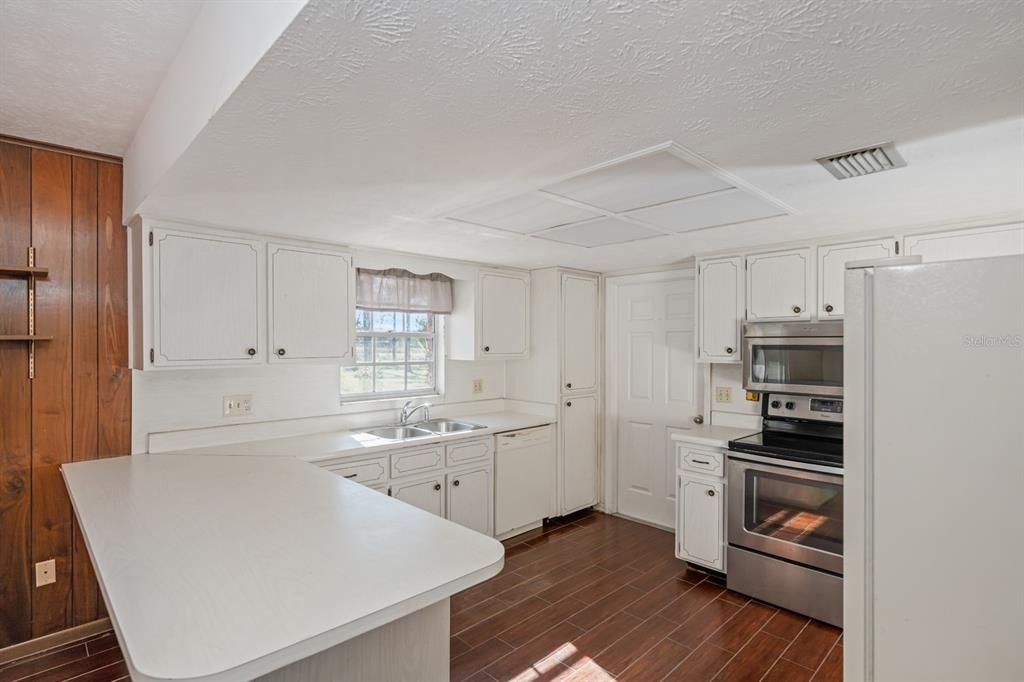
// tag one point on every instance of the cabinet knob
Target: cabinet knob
(828, 308)
(251, 351)
(796, 309)
(568, 403)
(455, 482)
(487, 349)
(280, 351)
(437, 486)
(711, 493)
(569, 385)
(730, 351)
(699, 419)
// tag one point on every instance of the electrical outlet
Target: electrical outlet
(46, 572)
(238, 405)
(723, 394)
(478, 385)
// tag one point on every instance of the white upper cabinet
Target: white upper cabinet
(983, 242)
(580, 333)
(779, 285)
(208, 299)
(491, 317)
(720, 294)
(504, 313)
(832, 260)
(312, 304)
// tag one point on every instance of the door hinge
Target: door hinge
(151, 239)
(152, 355)
(897, 248)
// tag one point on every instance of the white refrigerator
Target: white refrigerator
(934, 464)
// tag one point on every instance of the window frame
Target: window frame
(434, 335)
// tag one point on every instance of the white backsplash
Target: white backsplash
(737, 411)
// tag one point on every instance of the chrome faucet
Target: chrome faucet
(408, 411)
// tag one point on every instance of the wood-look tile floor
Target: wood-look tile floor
(589, 598)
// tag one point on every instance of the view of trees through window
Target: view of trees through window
(395, 355)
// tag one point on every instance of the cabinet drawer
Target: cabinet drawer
(468, 451)
(700, 461)
(367, 471)
(417, 461)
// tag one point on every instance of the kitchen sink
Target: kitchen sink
(448, 426)
(399, 432)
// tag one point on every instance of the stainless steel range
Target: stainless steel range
(785, 515)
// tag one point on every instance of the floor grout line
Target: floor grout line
(827, 654)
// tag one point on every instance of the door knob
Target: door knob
(280, 351)
(796, 309)
(437, 486)
(251, 352)
(828, 308)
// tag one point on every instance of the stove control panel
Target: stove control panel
(805, 407)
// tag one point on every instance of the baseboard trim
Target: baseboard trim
(53, 640)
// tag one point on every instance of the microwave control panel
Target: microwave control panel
(805, 407)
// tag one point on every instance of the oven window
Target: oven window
(793, 509)
(797, 365)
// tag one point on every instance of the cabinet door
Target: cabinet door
(832, 260)
(312, 304)
(426, 493)
(469, 499)
(700, 528)
(720, 309)
(579, 333)
(503, 314)
(778, 285)
(578, 475)
(208, 299)
(983, 242)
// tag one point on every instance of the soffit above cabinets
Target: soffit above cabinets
(657, 192)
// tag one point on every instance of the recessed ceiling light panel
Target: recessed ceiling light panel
(644, 181)
(525, 213)
(600, 232)
(711, 210)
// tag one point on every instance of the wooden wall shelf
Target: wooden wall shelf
(24, 337)
(23, 271)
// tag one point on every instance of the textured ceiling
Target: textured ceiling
(368, 120)
(81, 73)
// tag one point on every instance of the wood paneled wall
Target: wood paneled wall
(67, 207)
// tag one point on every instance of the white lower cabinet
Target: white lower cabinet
(700, 504)
(699, 528)
(578, 455)
(469, 498)
(425, 493)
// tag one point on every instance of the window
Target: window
(395, 355)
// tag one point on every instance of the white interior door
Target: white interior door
(656, 386)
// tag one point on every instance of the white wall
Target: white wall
(737, 411)
(184, 399)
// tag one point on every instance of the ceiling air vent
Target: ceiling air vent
(854, 164)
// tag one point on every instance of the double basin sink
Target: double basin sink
(427, 429)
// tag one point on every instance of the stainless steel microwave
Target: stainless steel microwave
(793, 357)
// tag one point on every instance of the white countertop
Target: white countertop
(225, 568)
(319, 446)
(714, 436)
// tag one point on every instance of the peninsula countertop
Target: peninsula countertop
(228, 567)
(315, 447)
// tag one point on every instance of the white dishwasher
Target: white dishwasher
(524, 479)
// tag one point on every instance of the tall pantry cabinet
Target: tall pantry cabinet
(563, 370)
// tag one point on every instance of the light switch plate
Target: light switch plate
(46, 572)
(238, 405)
(723, 394)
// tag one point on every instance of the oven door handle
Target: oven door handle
(763, 463)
